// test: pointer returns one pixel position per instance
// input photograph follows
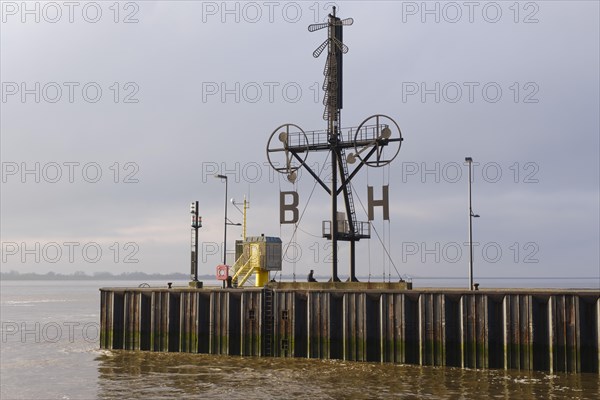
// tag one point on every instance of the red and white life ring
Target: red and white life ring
(222, 272)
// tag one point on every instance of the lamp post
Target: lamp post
(224, 223)
(469, 160)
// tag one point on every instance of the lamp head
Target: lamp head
(468, 159)
(221, 176)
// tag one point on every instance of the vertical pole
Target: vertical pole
(334, 224)
(353, 261)
(192, 253)
(470, 161)
(333, 143)
(225, 230)
(244, 227)
(196, 244)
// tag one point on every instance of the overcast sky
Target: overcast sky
(115, 118)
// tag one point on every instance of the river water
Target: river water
(49, 350)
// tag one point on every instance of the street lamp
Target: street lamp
(469, 160)
(226, 222)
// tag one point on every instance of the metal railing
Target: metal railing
(361, 229)
(367, 134)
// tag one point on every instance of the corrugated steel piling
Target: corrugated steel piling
(546, 330)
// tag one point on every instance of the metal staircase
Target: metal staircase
(241, 270)
(350, 199)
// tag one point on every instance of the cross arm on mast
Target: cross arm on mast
(310, 171)
(355, 171)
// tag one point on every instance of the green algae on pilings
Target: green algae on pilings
(481, 355)
(352, 351)
(157, 341)
(291, 347)
(189, 341)
(436, 349)
(106, 338)
(394, 350)
(132, 341)
(221, 345)
(251, 344)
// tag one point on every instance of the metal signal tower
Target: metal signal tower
(196, 223)
(368, 140)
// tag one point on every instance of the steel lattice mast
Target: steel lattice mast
(367, 140)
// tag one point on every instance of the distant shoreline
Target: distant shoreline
(142, 276)
(103, 276)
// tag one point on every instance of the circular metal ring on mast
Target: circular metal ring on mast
(372, 140)
(291, 141)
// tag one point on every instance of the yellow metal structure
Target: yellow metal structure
(259, 256)
(262, 275)
(244, 220)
